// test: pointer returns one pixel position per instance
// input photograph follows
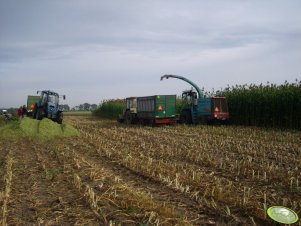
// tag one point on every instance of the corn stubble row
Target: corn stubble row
(235, 171)
(113, 200)
(4, 195)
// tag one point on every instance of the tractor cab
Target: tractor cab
(131, 104)
(129, 112)
(49, 98)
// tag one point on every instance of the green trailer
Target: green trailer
(31, 100)
(158, 109)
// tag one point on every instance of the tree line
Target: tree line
(81, 107)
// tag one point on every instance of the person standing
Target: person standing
(24, 111)
(20, 112)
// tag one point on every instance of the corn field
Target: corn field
(110, 108)
(265, 105)
(115, 174)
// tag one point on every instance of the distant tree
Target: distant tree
(93, 107)
(64, 107)
(86, 106)
(76, 108)
(81, 107)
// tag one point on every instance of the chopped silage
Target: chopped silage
(46, 128)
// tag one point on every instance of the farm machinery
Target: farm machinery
(48, 106)
(5, 115)
(201, 109)
(31, 100)
(152, 110)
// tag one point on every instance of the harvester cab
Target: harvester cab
(198, 108)
(48, 106)
(190, 97)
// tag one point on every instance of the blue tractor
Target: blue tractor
(200, 109)
(48, 106)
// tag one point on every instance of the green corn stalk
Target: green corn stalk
(267, 105)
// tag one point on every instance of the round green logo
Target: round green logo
(282, 214)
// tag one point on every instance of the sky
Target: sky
(105, 49)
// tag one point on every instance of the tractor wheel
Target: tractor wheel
(39, 114)
(185, 117)
(34, 114)
(120, 119)
(128, 117)
(59, 118)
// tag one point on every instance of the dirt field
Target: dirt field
(130, 175)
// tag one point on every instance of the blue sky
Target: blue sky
(95, 50)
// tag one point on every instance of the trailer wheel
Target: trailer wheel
(151, 122)
(120, 120)
(128, 117)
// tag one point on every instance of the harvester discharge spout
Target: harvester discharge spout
(200, 93)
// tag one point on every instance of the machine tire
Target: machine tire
(185, 117)
(59, 118)
(34, 113)
(39, 114)
(204, 120)
(120, 120)
(128, 117)
(151, 122)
